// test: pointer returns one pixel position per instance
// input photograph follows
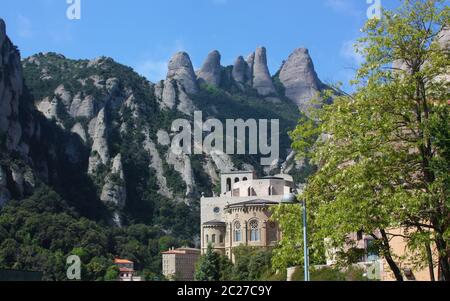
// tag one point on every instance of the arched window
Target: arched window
(207, 238)
(237, 232)
(250, 191)
(245, 179)
(228, 184)
(214, 238)
(236, 180)
(254, 230)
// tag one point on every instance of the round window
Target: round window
(216, 210)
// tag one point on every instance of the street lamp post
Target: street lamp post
(292, 199)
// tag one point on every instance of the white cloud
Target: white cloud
(24, 27)
(349, 53)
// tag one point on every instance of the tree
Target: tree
(383, 152)
(112, 274)
(208, 268)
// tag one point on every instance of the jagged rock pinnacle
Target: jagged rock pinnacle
(241, 71)
(210, 72)
(300, 79)
(180, 69)
(2, 31)
(262, 81)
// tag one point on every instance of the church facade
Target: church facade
(240, 215)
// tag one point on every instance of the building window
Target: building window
(254, 231)
(236, 180)
(214, 238)
(216, 210)
(228, 184)
(245, 179)
(359, 235)
(237, 232)
(250, 190)
(221, 238)
(207, 238)
(371, 249)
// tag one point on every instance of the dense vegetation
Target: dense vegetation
(253, 264)
(40, 232)
(65, 216)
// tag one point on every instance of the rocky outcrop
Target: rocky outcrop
(2, 31)
(114, 190)
(82, 106)
(262, 81)
(79, 130)
(157, 166)
(169, 95)
(241, 72)
(63, 95)
(185, 104)
(300, 79)
(181, 70)
(210, 73)
(49, 107)
(100, 151)
(182, 164)
(222, 161)
(250, 63)
(11, 88)
(180, 82)
(444, 38)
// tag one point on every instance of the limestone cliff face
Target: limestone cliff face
(11, 88)
(300, 79)
(13, 134)
(157, 166)
(100, 151)
(210, 73)
(114, 190)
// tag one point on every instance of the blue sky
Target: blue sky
(144, 34)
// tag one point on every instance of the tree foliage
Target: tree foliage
(383, 152)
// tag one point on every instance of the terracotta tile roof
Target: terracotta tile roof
(122, 261)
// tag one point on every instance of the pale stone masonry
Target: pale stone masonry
(179, 264)
(241, 215)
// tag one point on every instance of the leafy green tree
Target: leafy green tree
(208, 268)
(383, 152)
(112, 273)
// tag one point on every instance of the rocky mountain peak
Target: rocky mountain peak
(210, 72)
(241, 71)
(262, 81)
(181, 70)
(11, 87)
(2, 31)
(300, 78)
